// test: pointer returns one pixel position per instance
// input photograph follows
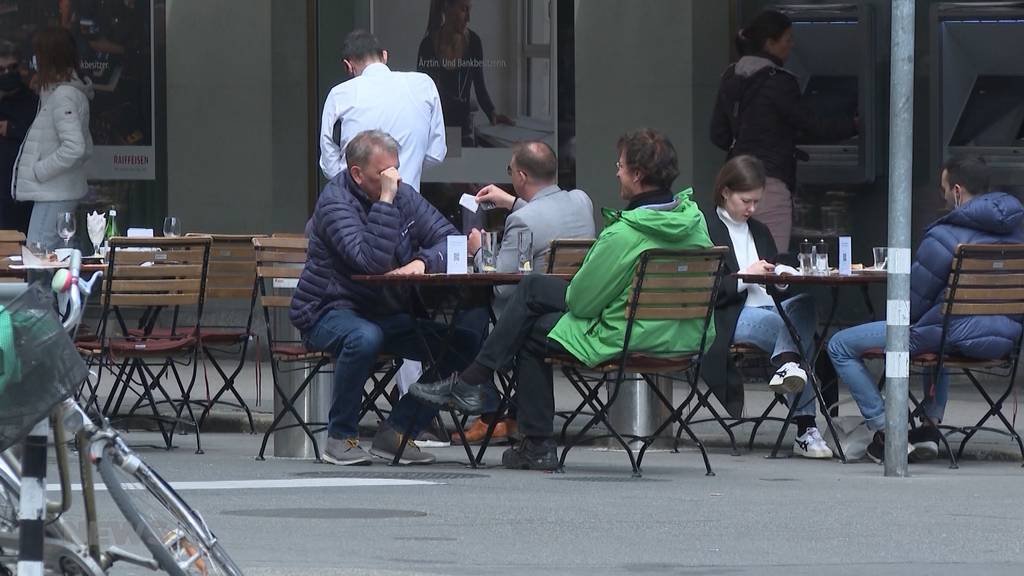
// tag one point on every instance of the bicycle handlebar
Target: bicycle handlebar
(69, 281)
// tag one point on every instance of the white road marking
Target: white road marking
(269, 484)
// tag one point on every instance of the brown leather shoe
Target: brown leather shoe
(478, 429)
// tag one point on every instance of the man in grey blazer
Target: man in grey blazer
(540, 207)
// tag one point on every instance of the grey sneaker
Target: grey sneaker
(346, 452)
(387, 442)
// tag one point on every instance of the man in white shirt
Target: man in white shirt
(403, 104)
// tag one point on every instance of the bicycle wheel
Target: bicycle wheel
(174, 534)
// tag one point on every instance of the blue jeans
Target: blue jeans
(846, 349)
(764, 328)
(354, 341)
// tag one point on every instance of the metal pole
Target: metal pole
(901, 159)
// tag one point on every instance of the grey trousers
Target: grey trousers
(776, 212)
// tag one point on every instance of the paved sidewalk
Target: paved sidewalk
(966, 406)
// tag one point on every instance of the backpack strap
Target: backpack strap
(751, 88)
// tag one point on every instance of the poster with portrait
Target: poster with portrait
(491, 61)
(114, 39)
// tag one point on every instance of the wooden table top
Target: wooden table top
(858, 277)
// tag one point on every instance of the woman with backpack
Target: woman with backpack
(759, 112)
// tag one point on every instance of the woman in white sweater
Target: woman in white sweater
(746, 314)
(51, 165)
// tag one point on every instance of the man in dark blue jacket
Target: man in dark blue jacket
(369, 222)
(978, 217)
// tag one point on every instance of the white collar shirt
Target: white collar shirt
(403, 104)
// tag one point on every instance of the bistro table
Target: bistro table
(472, 280)
(772, 282)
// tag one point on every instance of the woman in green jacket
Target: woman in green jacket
(587, 317)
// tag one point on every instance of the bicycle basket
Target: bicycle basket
(39, 365)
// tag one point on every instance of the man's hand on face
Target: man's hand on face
(499, 197)
(473, 242)
(414, 268)
(389, 180)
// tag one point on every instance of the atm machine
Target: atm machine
(978, 81)
(835, 59)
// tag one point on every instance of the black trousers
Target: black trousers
(521, 336)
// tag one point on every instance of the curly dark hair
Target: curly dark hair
(652, 154)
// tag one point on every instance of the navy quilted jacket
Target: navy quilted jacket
(349, 234)
(993, 218)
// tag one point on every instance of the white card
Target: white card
(469, 203)
(457, 248)
(845, 256)
(140, 232)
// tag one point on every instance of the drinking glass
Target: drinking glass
(37, 249)
(821, 260)
(806, 258)
(489, 251)
(525, 246)
(66, 226)
(172, 227)
(881, 254)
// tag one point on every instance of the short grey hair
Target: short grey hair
(360, 148)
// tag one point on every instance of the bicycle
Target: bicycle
(178, 539)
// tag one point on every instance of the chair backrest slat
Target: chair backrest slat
(279, 262)
(676, 284)
(147, 272)
(232, 274)
(987, 279)
(565, 256)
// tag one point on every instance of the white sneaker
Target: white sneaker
(790, 378)
(811, 445)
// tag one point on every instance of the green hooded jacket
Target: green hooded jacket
(594, 328)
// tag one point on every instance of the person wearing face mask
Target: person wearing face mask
(978, 216)
(759, 111)
(746, 314)
(51, 163)
(18, 107)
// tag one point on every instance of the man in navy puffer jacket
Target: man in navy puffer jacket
(978, 217)
(368, 222)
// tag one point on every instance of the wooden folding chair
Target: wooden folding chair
(157, 280)
(566, 255)
(232, 278)
(668, 285)
(986, 280)
(279, 264)
(11, 242)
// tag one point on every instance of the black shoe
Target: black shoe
(925, 442)
(437, 394)
(531, 455)
(470, 399)
(876, 450)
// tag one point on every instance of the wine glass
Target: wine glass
(172, 227)
(66, 226)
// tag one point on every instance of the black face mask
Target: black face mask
(10, 81)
